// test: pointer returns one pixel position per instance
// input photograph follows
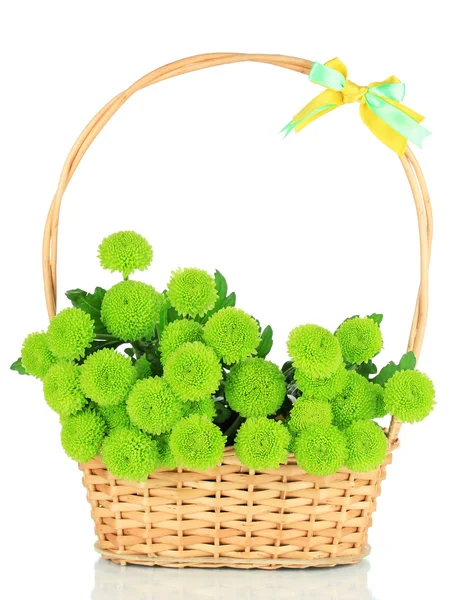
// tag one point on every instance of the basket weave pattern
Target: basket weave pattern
(233, 516)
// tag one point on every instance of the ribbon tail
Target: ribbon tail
(388, 136)
(392, 123)
(322, 104)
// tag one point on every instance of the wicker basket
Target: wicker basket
(233, 516)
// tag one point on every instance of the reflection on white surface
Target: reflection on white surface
(113, 582)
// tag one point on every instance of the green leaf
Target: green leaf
(18, 366)
(223, 413)
(266, 342)
(288, 365)
(223, 300)
(90, 303)
(407, 362)
(288, 371)
(130, 352)
(163, 321)
(385, 373)
(366, 369)
(229, 300)
(221, 285)
(100, 344)
(172, 315)
(377, 318)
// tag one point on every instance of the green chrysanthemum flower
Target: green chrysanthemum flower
(202, 408)
(115, 416)
(166, 458)
(192, 292)
(36, 355)
(324, 388)
(307, 411)
(360, 339)
(82, 435)
(70, 333)
(130, 454)
(143, 368)
(255, 388)
(366, 446)
(62, 389)
(125, 252)
(262, 443)
(314, 350)
(378, 393)
(178, 333)
(355, 403)
(152, 406)
(233, 334)
(196, 443)
(193, 371)
(107, 377)
(320, 450)
(131, 309)
(409, 396)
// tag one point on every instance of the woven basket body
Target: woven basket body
(233, 516)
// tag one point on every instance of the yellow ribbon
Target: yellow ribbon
(380, 106)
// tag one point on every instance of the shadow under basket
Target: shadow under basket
(232, 516)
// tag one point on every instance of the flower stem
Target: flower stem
(234, 427)
(106, 337)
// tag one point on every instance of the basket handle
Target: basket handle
(195, 63)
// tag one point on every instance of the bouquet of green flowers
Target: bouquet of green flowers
(155, 380)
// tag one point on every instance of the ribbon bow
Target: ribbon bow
(380, 106)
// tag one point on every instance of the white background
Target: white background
(313, 229)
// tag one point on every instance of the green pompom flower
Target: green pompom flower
(152, 406)
(130, 454)
(255, 388)
(166, 458)
(62, 389)
(131, 309)
(107, 377)
(193, 371)
(320, 450)
(233, 334)
(177, 333)
(142, 368)
(307, 411)
(262, 443)
(409, 396)
(125, 251)
(355, 403)
(202, 408)
(115, 416)
(192, 292)
(314, 350)
(82, 435)
(360, 339)
(366, 446)
(196, 443)
(36, 355)
(378, 394)
(324, 388)
(70, 333)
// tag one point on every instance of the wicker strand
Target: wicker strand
(195, 63)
